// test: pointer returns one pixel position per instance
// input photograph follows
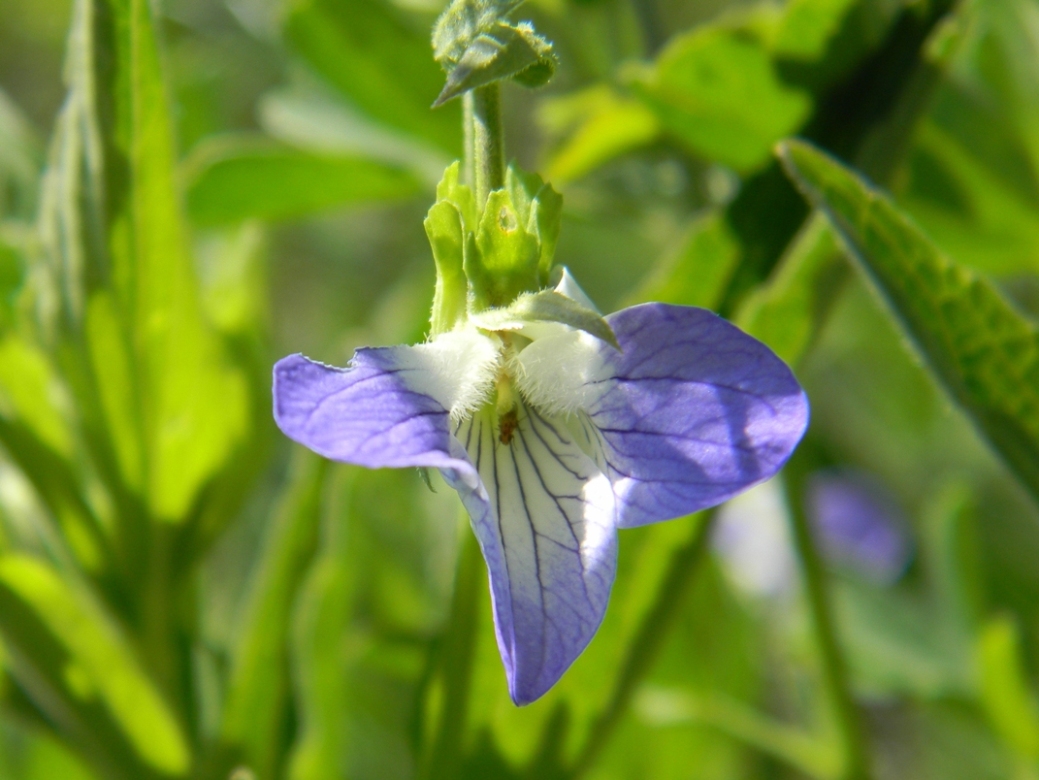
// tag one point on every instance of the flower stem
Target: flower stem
(457, 653)
(834, 666)
(484, 141)
(645, 647)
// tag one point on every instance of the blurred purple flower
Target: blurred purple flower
(554, 440)
(859, 523)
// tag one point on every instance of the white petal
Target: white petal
(561, 373)
(545, 520)
(456, 368)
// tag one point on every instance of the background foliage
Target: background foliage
(191, 189)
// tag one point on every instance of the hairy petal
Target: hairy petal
(691, 411)
(545, 516)
(391, 407)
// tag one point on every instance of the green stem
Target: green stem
(484, 141)
(457, 652)
(646, 646)
(834, 666)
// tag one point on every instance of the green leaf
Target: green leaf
(716, 90)
(99, 664)
(370, 52)
(985, 353)
(787, 311)
(320, 671)
(113, 227)
(258, 689)
(696, 274)
(1006, 693)
(20, 159)
(601, 125)
(230, 180)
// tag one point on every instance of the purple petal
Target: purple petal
(859, 523)
(545, 518)
(693, 411)
(368, 414)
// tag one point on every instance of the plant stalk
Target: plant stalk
(484, 141)
(834, 667)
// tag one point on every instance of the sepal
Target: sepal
(546, 306)
(487, 258)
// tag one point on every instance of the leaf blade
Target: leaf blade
(982, 350)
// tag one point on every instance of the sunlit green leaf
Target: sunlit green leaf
(717, 91)
(232, 180)
(600, 124)
(1009, 699)
(985, 353)
(100, 662)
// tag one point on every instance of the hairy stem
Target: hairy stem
(645, 647)
(484, 141)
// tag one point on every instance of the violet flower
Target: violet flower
(859, 523)
(553, 437)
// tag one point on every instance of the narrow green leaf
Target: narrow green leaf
(230, 180)
(1006, 694)
(101, 664)
(258, 691)
(320, 670)
(984, 351)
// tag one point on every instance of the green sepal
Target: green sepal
(507, 255)
(477, 46)
(446, 232)
(486, 258)
(546, 306)
(541, 210)
(461, 195)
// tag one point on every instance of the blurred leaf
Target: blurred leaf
(698, 273)
(717, 91)
(985, 353)
(20, 158)
(320, 670)
(602, 126)
(813, 755)
(1006, 694)
(315, 120)
(100, 664)
(31, 392)
(808, 26)
(234, 279)
(974, 191)
(258, 689)
(370, 52)
(230, 180)
(788, 310)
(33, 754)
(194, 404)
